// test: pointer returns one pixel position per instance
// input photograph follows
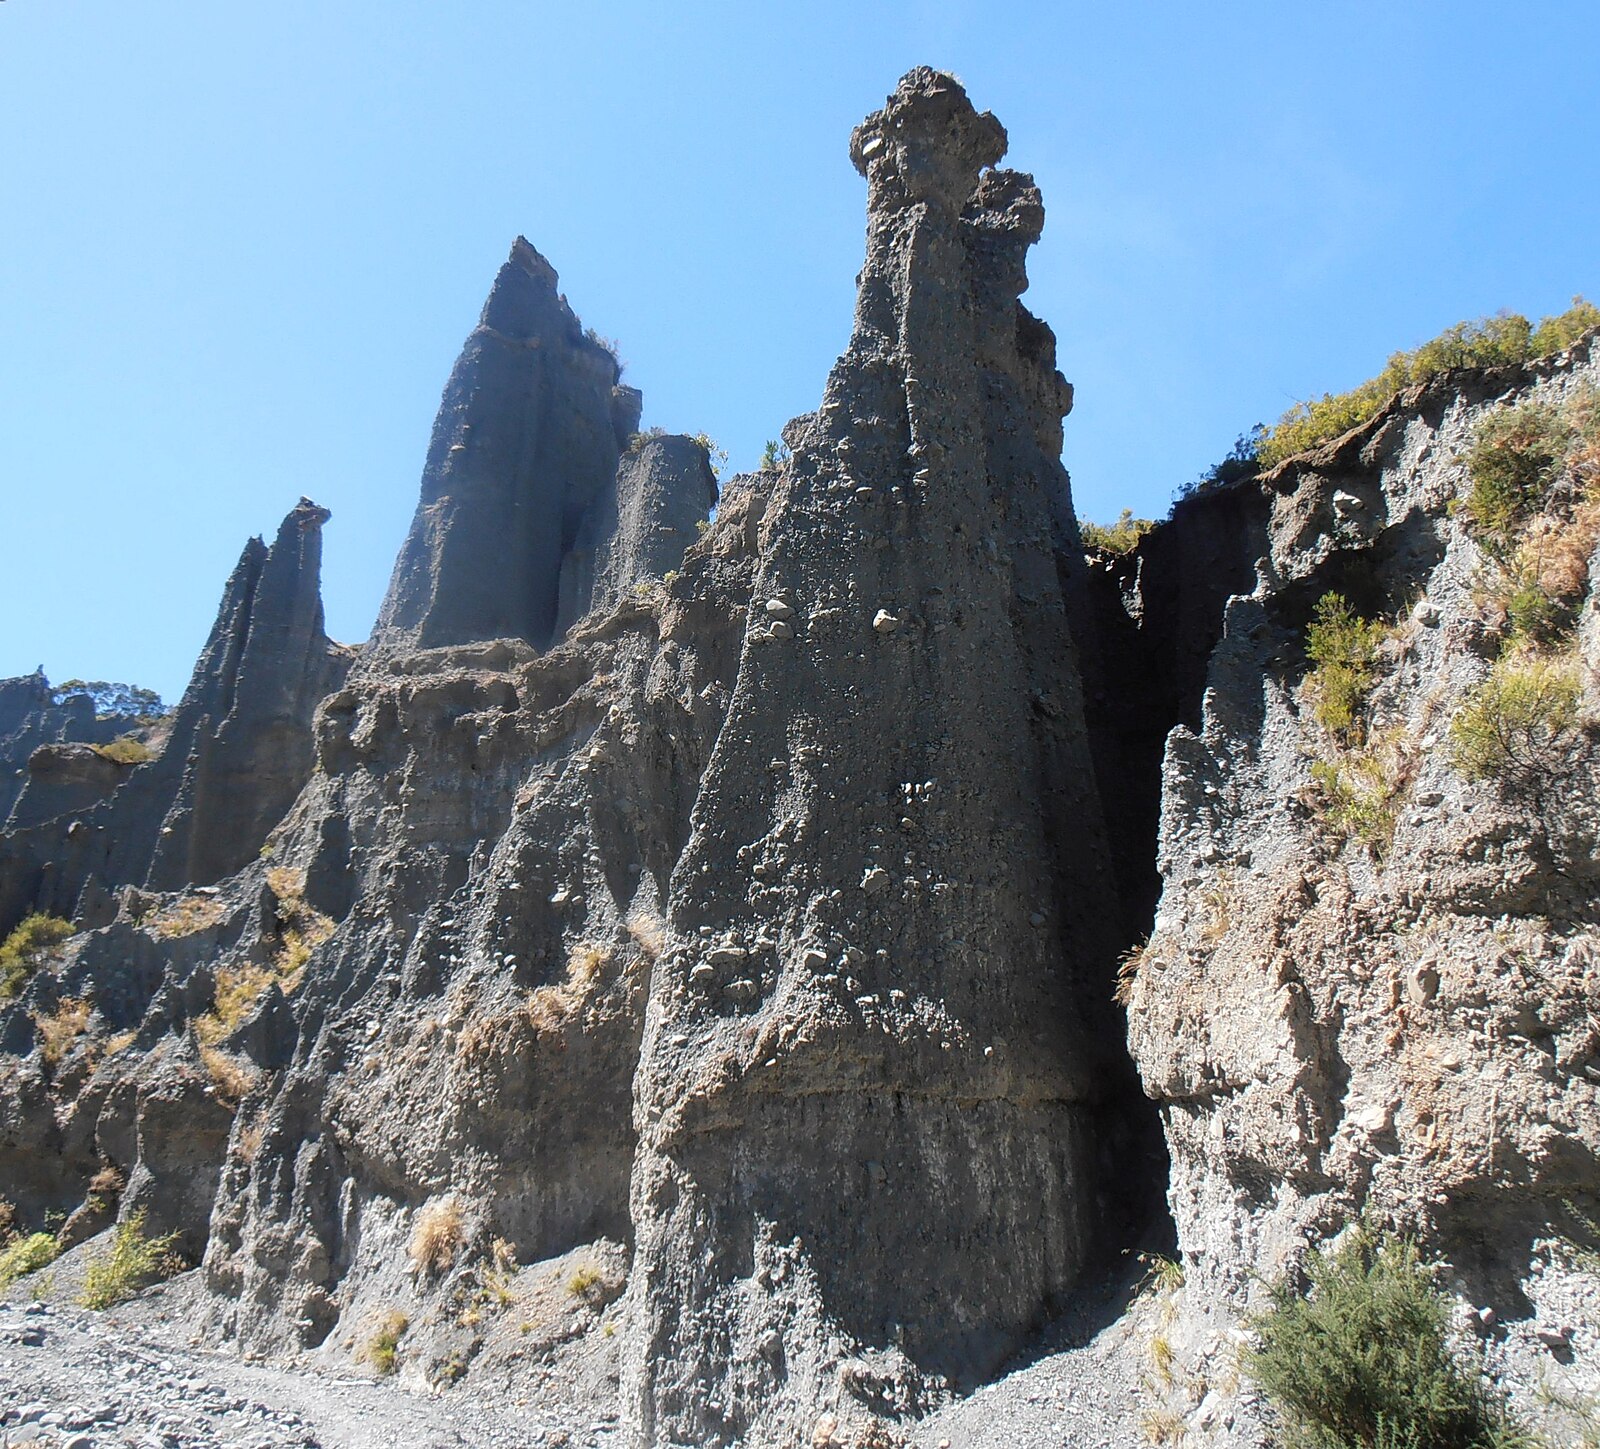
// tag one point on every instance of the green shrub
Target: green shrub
(1532, 616)
(27, 1255)
(1518, 724)
(1357, 796)
(1516, 455)
(1120, 537)
(715, 456)
(380, 1349)
(1342, 647)
(133, 1261)
(28, 947)
(1362, 1359)
(125, 750)
(1556, 334)
(773, 456)
(1488, 342)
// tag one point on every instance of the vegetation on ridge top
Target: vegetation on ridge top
(1489, 342)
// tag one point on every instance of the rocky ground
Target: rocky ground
(134, 1376)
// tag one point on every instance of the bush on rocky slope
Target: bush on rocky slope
(1518, 724)
(26, 1255)
(33, 941)
(132, 1262)
(1362, 1360)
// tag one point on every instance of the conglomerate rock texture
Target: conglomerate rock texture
(1391, 1013)
(671, 965)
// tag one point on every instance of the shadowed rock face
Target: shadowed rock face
(528, 436)
(31, 718)
(243, 726)
(238, 751)
(638, 528)
(869, 1091)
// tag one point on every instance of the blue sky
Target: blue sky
(241, 245)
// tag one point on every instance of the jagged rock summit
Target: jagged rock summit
(533, 422)
(666, 975)
(879, 1019)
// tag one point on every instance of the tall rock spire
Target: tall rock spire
(238, 751)
(870, 1090)
(528, 435)
(243, 727)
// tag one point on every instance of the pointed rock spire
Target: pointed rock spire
(243, 728)
(238, 750)
(870, 1029)
(528, 435)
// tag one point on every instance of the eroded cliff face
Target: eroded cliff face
(526, 444)
(1371, 983)
(877, 1033)
(700, 934)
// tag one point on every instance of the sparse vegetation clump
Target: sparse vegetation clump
(30, 945)
(549, 1008)
(133, 1262)
(126, 749)
(1342, 647)
(1516, 455)
(1362, 1361)
(584, 1281)
(60, 1028)
(231, 1079)
(188, 917)
(237, 988)
(27, 1254)
(1120, 537)
(715, 456)
(381, 1347)
(437, 1236)
(1520, 723)
(1533, 504)
(1359, 791)
(1490, 341)
(235, 991)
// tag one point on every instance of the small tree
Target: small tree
(114, 700)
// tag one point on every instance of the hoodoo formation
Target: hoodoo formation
(754, 961)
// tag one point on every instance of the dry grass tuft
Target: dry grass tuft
(248, 1142)
(437, 1236)
(62, 1027)
(1128, 967)
(107, 1183)
(586, 1282)
(1218, 900)
(236, 990)
(120, 1042)
(380, 1348)
(1165, 1426)
(549, 1008)
(231, 1079)
(286, 884)
(649, 933)
(188, 917)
